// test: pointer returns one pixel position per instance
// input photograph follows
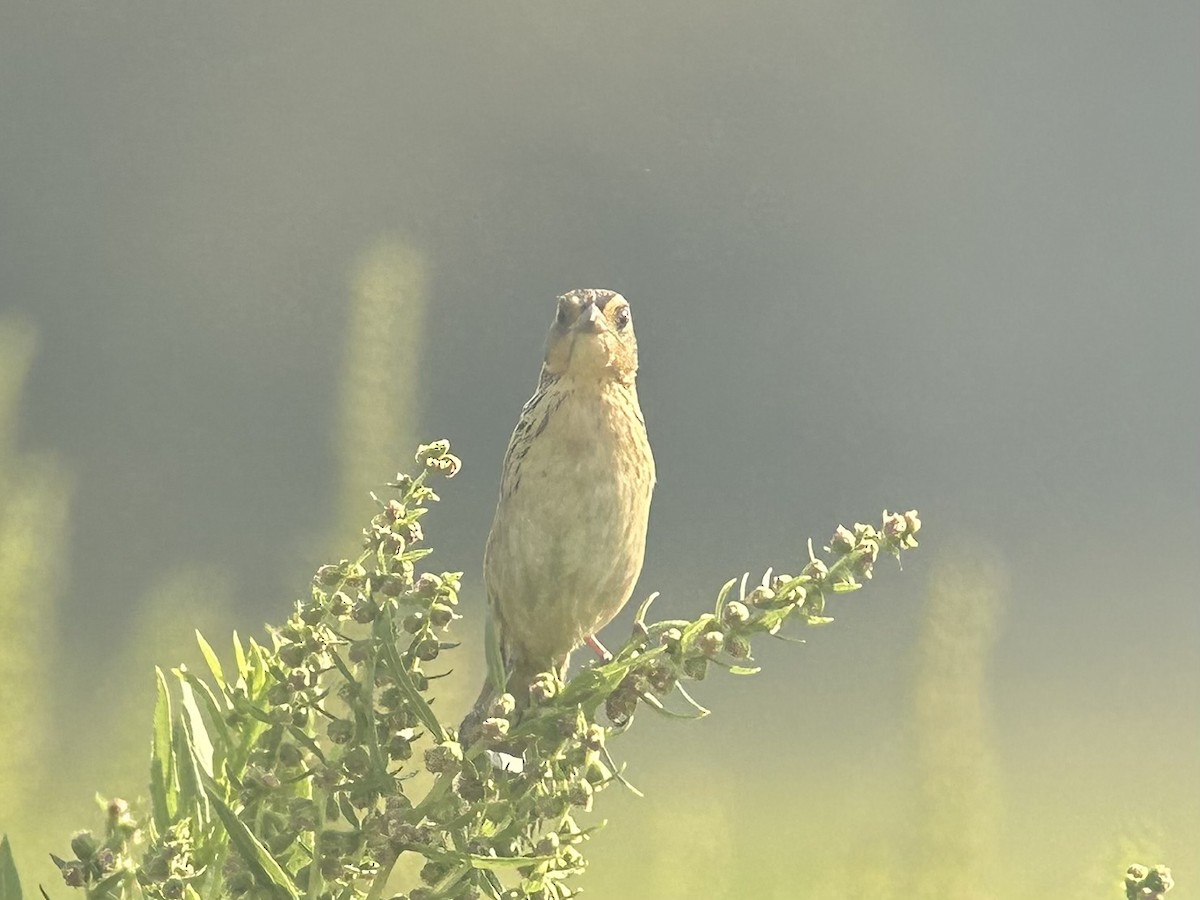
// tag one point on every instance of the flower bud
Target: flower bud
(711, 643)
(661, 679)
(105, 860)
(432, 872)
(842, 540)
(760, 596)
(399, 746)
(815, 570)
(328, 575)
(865, 531)
(1135, 875)
(894, 524)
(312, 613)
(427, 585)
(735, 613)
(620, 706)
(292, 655)
(494, 729)
(391, 585)
(427, 650)
(870, 553)
(543, 688)
(74, 873)
(580, 794)
(470, 789)
(360, 651)
(441, 615)
(357, 761)
(695, 668)
(503, 706)
(433, 450)
(444, 757)
(738, 647)
(339, 604)
(340, 731)
(594, 738)
(84, 845)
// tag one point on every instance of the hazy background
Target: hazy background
(932, 255)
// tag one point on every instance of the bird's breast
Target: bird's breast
(569, 536)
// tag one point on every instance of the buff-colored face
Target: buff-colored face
(592, 336)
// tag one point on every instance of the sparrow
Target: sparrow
(569, 535)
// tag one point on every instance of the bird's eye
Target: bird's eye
(621, 318)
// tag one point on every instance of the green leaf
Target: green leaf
(307, 741)
(239, 654)
(107, 887)
(257, 669)
(640, 618)
(744, 670)
(404, 681)
(201, 743)
(163, 795)
(656, 705)
(192, 797)
(10, 884)
(845, 587)
(347, 810)
(724, 593)
(267, 872)
(216, 715)
(210, 657)
(479, 860)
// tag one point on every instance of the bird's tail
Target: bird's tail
(517, 684)
(504, 674)
(495, 682)
(468, 731)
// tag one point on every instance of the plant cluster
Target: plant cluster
(315, 766)
(1145, 883)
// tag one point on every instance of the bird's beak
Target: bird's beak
(590, 320)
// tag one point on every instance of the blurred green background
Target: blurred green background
(923, 254)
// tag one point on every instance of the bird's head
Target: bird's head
(592, 337)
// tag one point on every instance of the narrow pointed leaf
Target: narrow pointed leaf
(162, 776)
(216, 714)
(239, 654)
(267, 872)
(210, 657)
(198, 732)
(724, 594)
(10, 884)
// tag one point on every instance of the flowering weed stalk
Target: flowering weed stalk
(308, 771)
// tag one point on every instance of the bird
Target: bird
(568, 538)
